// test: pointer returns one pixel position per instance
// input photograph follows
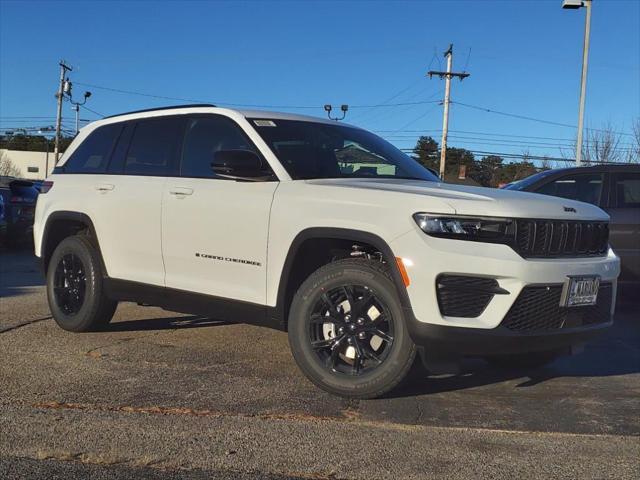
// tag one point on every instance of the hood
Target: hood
(490, 202)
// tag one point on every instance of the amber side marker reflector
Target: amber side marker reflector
(403, 272)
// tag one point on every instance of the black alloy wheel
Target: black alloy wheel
(350, 330)
(75, 286)
(347, 329)
(70, 284)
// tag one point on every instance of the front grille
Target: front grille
(557, 238)
(537, 309)
(461, 296)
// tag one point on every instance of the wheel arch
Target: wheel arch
(289, 283)
(62, 224)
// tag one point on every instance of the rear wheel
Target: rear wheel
(347, 331)
(75, 287)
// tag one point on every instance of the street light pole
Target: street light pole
(583, 81)
(573, 4)
(76, 107)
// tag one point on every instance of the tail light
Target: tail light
(46, 186)
(19, 199)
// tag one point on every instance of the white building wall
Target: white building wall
(32, 165)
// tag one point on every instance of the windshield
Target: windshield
(526, 182)
(318, 150)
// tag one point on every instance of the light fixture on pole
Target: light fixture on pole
(76, 107)
(343, 108)
(572, 5)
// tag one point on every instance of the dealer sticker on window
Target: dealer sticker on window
(264, 123)
(579, 291)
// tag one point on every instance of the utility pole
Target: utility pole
(60, 96)
(447, 98)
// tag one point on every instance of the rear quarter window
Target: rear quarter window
(92, 156)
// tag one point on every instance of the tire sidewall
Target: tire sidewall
(383, 377)
(82, 250)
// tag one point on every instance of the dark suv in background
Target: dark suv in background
(615, 189)
(17, 210)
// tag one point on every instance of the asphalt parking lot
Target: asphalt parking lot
(161, 395)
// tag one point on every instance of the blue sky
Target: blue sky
(524, 58)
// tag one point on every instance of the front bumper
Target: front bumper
(426, 258)
(500, 340)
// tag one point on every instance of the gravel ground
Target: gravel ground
(165, 395)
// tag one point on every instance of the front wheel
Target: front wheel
(347, 331)
(75, 286)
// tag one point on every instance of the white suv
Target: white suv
(321, 229)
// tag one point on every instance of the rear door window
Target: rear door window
(152, 150)
(626, 190)
(584, 187)
(92, 156)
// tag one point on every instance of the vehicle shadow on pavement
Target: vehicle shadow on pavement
(170, 323)
(616, 353)
(19, 272)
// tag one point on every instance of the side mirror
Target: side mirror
(237, 164)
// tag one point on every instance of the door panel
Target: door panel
(214, 239)
(128, 227)
(214, 230)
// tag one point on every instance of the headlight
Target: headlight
(478, 229)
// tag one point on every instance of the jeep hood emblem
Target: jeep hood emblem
(570, 209)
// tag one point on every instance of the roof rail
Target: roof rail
(193, 105)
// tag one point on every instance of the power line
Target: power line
(376, 116)
(516, 156)
(467, 62)
(524, 117)
(420, 117)
(437, 130)
(251, 105)
(503, 141)
(92, 111)
(34, 118)
(396, 95)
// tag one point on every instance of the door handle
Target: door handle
(105, 187)
(180, 191)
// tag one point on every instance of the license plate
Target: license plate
(579, 291)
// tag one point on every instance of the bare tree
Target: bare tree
(634, 149)
(605, 145)
(602, 145)
(7, 168)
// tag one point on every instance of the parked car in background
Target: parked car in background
(3, 222)
(19, 199)
(615, 189)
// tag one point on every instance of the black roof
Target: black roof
(600, 167)
(193, 105)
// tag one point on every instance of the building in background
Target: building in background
(31, 165)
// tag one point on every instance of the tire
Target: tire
(523, 360)
(77, 301)
(376, 363)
